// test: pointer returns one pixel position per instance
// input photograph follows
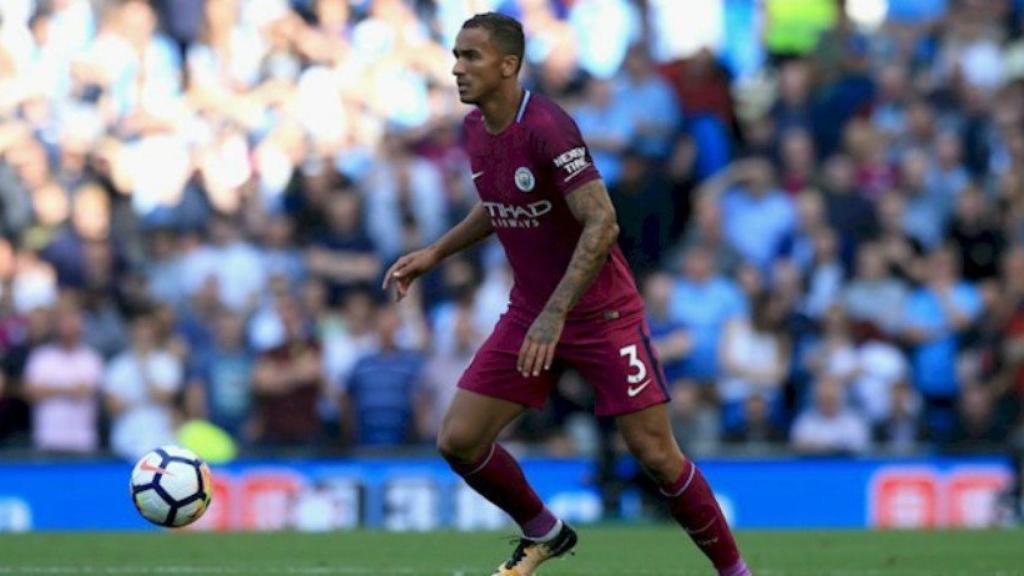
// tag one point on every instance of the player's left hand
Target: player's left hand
(538, 349)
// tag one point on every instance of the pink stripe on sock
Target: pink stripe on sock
(739, 569)
(540, 526)
(675, 490)
(483, 464)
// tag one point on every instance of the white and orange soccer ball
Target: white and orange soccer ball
(171, 486)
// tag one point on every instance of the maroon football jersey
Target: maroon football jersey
(523, 176)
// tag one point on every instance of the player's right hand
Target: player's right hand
(409, 268)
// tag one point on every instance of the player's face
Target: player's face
(479, 66)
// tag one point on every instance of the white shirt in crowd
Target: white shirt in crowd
(882, 366)
(846, 431)
(62, 422)
(144, 424)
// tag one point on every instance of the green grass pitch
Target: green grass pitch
(603, 551)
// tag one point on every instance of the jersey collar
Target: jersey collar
(522, 106)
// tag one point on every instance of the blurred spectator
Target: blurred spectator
(757, 215)
(381, 405)
(890, 114)
(352, 339)
(754, 360)
(219, 387)
(835, 355)
(644, 209)
(901, 429)
(608, 127)
(343, 254)
(19, 335)
(461, 287)
(441, 373)
(281, 256)
(976, 234)
(706, 231)
(700, 81)
(850, 214)
(929, 205)
(34, 282)
(798, 160)
(649, 99)
(141, 388)
(899, 249)
(695, 422)
(103, 326)
(1008, 313)
(669, 336)
(873, 294)
(758, 428)
(704, 302)
(935, 316)
(792, 110)
(163, 268)
(402, 188)
(978, 422)
(231, 260)
(946, 172)
(879, 368)
(798, 244)
(195, 321)
(875, 175)
(62, 380)
(287, 383)
(825, 278)
(829, 427)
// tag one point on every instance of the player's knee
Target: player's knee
(458, 445)
(658, 457)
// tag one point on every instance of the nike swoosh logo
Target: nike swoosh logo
(632, 392)
(147, 467)
(477, 174)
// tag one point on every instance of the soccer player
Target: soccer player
(573, 303)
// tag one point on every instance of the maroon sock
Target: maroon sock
(694, 507)
(498, 477)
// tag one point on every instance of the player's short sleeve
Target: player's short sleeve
(559, 146)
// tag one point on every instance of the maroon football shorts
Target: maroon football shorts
(614, 356)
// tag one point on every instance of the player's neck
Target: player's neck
(501, 108)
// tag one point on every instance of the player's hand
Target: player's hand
(409, 268)
(538, 349)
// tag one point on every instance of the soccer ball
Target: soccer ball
(171, 487)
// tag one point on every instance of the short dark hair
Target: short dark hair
(506, 32)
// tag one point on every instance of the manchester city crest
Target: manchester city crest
(524, 179)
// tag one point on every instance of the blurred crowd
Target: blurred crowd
(198, 199)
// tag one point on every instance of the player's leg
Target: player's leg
(648, 435)
(468, 441)
(492, 393)
(617, 358)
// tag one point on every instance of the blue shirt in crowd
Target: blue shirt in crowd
(381, 389)
(704, 308)
(934, 361)
(226, 378)
(756, 225)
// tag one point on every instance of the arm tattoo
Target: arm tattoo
(591, 206)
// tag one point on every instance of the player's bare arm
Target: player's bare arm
(592, 206)
(474, 227)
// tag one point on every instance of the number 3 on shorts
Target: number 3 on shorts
(634, 364)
